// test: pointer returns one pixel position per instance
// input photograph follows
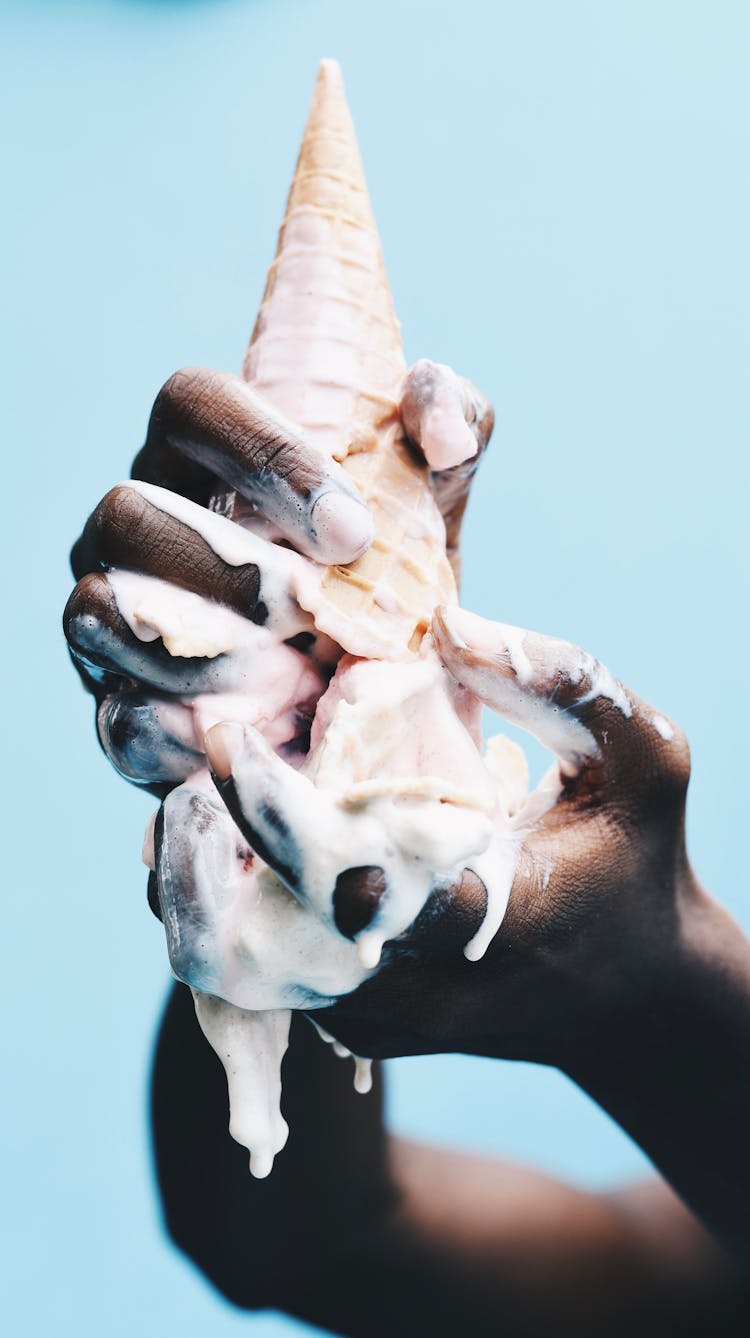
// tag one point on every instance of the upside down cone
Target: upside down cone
(326, 351)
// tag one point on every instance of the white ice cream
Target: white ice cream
(394, 777)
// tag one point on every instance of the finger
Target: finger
(96, 680)
(296, 829)
(233, 929)
(277, 809)
(439, 414)
(216, 421)
(452, 423)
(149, 740)
(157, 741)
(308, 837)
(383, 1018)
(129, 529)
(152, 894)
(554, 690)
(197, 853)
(103, 609)
(143, 528)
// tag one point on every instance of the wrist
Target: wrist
(670, 1064)
(623, 970)
(685, 978)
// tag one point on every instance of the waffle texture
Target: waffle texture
(326, 351)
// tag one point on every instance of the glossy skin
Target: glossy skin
(612, 964)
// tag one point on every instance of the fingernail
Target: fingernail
(343, 527)
(223, 744)
(466, 631)
(447, 439)
(446, 622)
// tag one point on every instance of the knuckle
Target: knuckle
(72, 609)
(89, 597)
(88, 616)
(676, 760)
(182, 385)
(418, 389)
(423, 370)
(119, 512)
(659, 770)
(178, 397)
(356, 897)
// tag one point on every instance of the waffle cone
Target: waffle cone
(326, 351)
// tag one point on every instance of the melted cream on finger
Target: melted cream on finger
(393, 779)
(246, 937)
(527, 697)
(288, 582)
(190, 626)
(291, 586)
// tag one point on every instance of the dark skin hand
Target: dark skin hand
(214, 417)
(612, 964)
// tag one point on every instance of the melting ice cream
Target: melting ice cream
(394, 777)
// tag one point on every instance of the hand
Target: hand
(159, 528)
(601, 881)
(611, 964)
(601, 874)
(208, 428)
(440, 410)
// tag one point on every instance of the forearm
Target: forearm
(250, 1236)
(673, 1069)
(482, 1246)
(365, 1234)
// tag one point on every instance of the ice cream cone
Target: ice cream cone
(326, 352)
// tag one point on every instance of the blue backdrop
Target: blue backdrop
(563, 198)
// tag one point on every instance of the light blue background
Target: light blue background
(563, 197)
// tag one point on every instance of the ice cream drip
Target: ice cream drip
(394, 778)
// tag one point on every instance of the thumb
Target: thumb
(553, 689)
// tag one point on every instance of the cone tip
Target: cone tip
(330, 68)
